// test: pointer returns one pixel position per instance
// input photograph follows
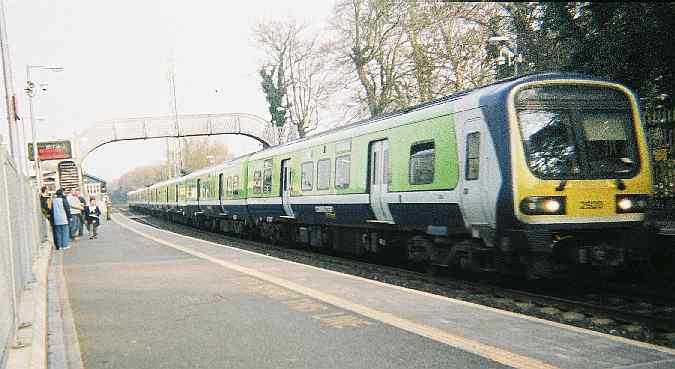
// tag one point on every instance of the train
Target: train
(539, 175)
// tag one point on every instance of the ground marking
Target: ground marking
(571, 328)
(475, 347)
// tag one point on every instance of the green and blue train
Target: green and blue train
(535, 174)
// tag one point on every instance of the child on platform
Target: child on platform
(92, 214)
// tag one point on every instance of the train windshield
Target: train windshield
(577, 132)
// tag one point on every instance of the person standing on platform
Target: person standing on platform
(92, 215)
(83, 202)
(76, 209)
(45, 205)
(108, 208)
(60, 215)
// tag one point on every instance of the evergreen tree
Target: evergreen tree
(275, 93)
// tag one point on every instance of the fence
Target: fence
(661, 137)
(19, 239)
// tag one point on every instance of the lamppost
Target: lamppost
(507, 46)
(30, 91)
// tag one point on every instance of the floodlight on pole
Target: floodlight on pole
(497, 39)
(505, 43)
(30, 91)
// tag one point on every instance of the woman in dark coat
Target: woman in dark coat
(92, 215)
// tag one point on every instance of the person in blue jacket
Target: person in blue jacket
(60, 217)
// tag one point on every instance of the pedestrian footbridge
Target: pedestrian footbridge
(143, 128)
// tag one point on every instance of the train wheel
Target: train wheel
(287, 233)
(274, 234)
(539, 266)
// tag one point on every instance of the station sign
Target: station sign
(51, 150)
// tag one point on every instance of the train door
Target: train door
(473, 177)
(286, 187)
(379, 180)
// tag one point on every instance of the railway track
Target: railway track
(629, 311)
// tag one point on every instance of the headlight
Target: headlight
(631, 204)
(543, 205)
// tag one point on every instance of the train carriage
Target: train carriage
(236, 190)
(537, 171)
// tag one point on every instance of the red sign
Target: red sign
(53, 150)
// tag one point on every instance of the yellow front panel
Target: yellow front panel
(587, 200)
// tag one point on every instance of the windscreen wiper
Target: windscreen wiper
(561, 185)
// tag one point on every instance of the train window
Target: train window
(342, 170)
(307, 176)
(257, 182)
(323, 174)
(472, 155)
(343, 146)
(422, 163)
(267, 176)
(235, 186)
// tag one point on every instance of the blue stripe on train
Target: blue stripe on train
(421, 215)
(333, 214)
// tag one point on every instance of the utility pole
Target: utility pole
(178, 152)
(10, 99)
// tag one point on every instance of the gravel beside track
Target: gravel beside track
(647, 316)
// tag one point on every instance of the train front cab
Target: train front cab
(580, 173)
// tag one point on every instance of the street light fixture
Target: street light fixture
(30, 91)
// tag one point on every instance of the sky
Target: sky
(116, 56)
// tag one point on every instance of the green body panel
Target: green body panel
(181, 192)
(208, 186)
(257, 190)
(312, 154)
(440, 129)
(172, 192)
(446, 166)
(236, 175)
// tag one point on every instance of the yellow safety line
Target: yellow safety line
(489, 352)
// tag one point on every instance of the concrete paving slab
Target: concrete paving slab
(139, 304)
(551, 343)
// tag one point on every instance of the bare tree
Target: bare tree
(396, 53)
(200, 152)
(368, 45)
(294, 77)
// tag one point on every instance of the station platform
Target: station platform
(141, 297)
